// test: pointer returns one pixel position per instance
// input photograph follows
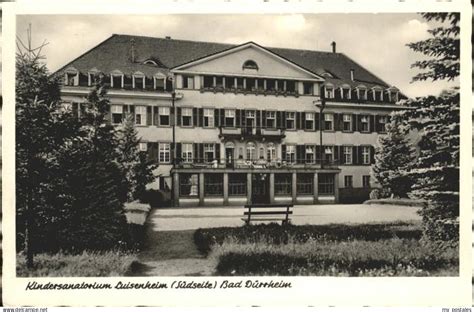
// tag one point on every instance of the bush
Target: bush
(375, 194)
(157, 198)
(393, 257)
(85, 264)
(353, 195)
(277, 234)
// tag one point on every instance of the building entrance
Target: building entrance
(260, 188)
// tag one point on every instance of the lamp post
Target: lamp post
(173, 146)
(321, 104)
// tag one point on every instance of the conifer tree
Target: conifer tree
(393, 157)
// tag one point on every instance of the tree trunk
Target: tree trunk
(28, 224)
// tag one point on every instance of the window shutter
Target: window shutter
(359, 155)
(376, 123)
(336, 122)
(195, 152)
(372, 154)
(178, 117)
(149, 115)
(354, 122)
(237, 118)
(316, 121)
(318, 153)
(178, 153)
(283, 152)
(155, 153)
(201, 152)
(195, 116)
(242, 118)
(264, 119)
(300, 153)
(303, 120)
(222, 117)
(200, 118)
(355, 151)
(124, 112)
(341, 155)
(132, 109)
(372, 123)
(359, 123)
(258, 116)
(216, 118)
(218, 152)
(298, 120)
(336, 154)
(341, 122)
(283, 120)
(279, 119)
(155, 115)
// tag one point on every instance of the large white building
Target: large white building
(245, 119)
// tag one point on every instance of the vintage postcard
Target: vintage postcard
(225, 154)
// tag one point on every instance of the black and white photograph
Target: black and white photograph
(245, 149)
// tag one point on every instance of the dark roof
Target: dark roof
(115, 54)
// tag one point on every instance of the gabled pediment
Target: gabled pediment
(248, 59)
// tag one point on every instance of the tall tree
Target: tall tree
(393, 157)
(436, 171)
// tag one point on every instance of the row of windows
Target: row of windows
(306, 154)
(348, 181)
(361, 93)
(210, 118)
(237, 184)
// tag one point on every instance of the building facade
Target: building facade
(235, 124)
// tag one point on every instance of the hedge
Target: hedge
(277, 234)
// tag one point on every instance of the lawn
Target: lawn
(383, 249)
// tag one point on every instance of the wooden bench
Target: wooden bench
(268, 212)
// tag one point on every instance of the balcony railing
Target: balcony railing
(199, 163)
(254, 91)
(252, 133)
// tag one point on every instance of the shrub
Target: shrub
(393, 257)
(374, 194)
(156, 198)
(277, 234)
(85, 264)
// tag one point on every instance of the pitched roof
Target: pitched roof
(115, 54)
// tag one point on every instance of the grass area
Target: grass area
(86, 264)
(396, 201)
(383, 249)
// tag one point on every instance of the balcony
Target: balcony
(251, 91)
(303, 164)
(254, 133)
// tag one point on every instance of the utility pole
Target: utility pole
(321, 104)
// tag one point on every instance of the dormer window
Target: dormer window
(92, 76)
(362, 93)
(329, 91)
(377, 94)
(71, 77)
(249, 64)
(150, 62)
(346, 92)
(138, 80)
(116, 79)
(159, 82)
(392, 94)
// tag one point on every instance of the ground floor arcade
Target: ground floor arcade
(238, 187)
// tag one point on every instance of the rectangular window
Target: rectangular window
(230, 118)
(142, 146)
(309, 155)
(164, 152)
(308, 88)
(366, 181)
(291, 86)
(304, 183)
(328, 122)
(219, 82)
(329, 154)
(346, 93)
(290, 120)
(188, 82)
(208, 82)
(348, 155)
(189, 184)
(237, 184)
(291, 154)
(71, 79)
(326, 184)
(366, 155)
(117, 113)
(347, 122)
(209, 152)
(382, 123)
(140, 115)
(270, 119)
(160, 84)
(139, 82)
(362, 94)
(187, 152)
(117, 81)
(377, 95)
(348, 181)
(208, 117)
(187, 117)
(309, 121)
(283, 182)
(329, 92)
(364, 123)
(164, 113)
(213, 184)
(270, 84)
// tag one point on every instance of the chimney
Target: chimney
(352, 74)
(132, 50)
(168, 37)
(333, 44)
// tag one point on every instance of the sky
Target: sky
(376, 41)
